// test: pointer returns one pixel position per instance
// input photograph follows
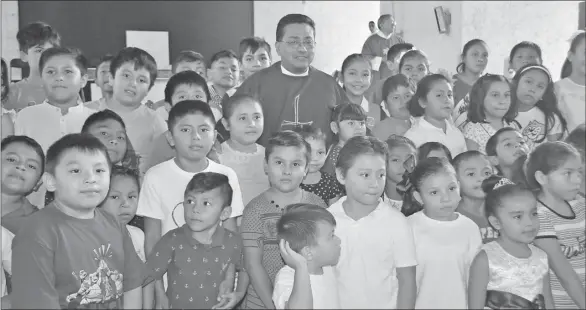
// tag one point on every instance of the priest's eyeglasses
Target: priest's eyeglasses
(308, 44)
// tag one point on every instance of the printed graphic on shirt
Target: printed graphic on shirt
(488, 233)
(101, 286)
(574, 250)
(534, 131)
(270, 228)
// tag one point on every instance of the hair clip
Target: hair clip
(503, 182)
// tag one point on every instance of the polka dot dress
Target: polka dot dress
(327, 187)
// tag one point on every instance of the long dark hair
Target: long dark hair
(567, 67)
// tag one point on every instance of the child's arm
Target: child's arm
(230, 299)
(133, 298)
(156, 266)
(558, 262)
(134, 273)
(407, 288)
(547, 295)
(478, 281)
(300, 296)
(237, 203)
(405, 262)
(258, 275)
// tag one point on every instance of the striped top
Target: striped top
(571, 236)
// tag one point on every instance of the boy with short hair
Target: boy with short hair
(72, 254)
(310, 248)
(223, 75)
(33, 39)
(206, 246)
(103, 81)
(255, 55)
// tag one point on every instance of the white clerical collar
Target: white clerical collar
(381, 34)
(289, 73)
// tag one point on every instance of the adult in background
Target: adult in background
(372, 27)
(291, 91)
(376, 46)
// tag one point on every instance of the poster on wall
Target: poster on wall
(155, 43)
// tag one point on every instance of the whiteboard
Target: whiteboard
(155, 43)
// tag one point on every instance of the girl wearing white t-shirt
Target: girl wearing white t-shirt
(433, 104)
(570, 90)
(538, 113)
(445, 241)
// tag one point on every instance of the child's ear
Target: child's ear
(265, 167)
(540, 177)
(340, 176)
(49, 181)
(417, 197)
(421, 102)
(306, 252)
(215, 136)
(334, 127)
(24, 56)
(226, 212)
(494, 222)
(225, 123)
(169, 137)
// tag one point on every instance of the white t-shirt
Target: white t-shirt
(572, 101)
(7, 237)
(532, 125)
(422, 132)
(323, 288)
(445, 251)
(137, 237)
(372, 248)
(163, 189)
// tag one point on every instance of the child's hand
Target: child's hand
(229, 301)
(291, 258)
(226, 287)
(413, 85)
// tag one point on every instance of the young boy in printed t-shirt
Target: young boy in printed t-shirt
(33, 39)
(72, 254)
(310, 248)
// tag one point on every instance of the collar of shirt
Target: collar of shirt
(217, 237)
(289, 73)
(427, 125)
(382, 35)
(364, 104)
(337, 209)
(79, 107)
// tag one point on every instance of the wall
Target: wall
(341, 26)
(98, 27)
(9, 16)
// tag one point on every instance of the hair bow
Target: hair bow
(405, 185)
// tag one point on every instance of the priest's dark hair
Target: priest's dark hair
(290, 19)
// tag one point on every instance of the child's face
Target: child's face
(471, 173)
(396, 162)
(578, 58)
(524, 56)
(350, 128)
(224, 72)
(516, 218)
(286, 167)
(318, 154)
(198, 66)
(113, 136)
(131, 85)
(510, 147)
(188, 92)
(394, 64)
(497, 100)
(365, 179)
(531, 87)
(476, 58)
(397, 102)
(415, 68)
(21, 169)
(81, 179)
(253, 62)
(438, 154)
(439, 102)
(565, 182)
(327, 250)
(33, 55)
(193, 136)
(103, 77)
(246, 122)
(440, 194)
(122, 199)
(62, 79)
(204, 210)
(356, 78)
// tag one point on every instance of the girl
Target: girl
(397, 94)
(7, 117)
(510, 273)
(554, 170)
(243, 118)
(320, 183)
(356, 78)
(433, 149)
(571, 88)
(472, 168)
(445, 241)
(473, 61)
(414, 65)
(402, 154)
(507, 151)
(286, 163)
(577, 138)
(523, 54)
(539, 116)
(490, 109)
(372, 272)
(348, 120)
(433, 103)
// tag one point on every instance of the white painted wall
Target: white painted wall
(341, 26)
(9, 16)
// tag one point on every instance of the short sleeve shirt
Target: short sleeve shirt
(327, 188)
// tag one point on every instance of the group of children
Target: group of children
(419, 201)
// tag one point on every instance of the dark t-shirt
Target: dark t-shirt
(487, 233)
(61, 262)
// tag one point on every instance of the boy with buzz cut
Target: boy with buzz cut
(200, 245)
(72, 254)
(310, 248)
(223, 75)
(33, 40)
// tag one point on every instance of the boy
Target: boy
(103, 81)
(134, 72)
(310, 248)
(33, 39)
(506, 151)
(224, 74)
(23, 163)
(397, 93)
(255, 55)
(72, 254)
(375, 93)
(206, 203)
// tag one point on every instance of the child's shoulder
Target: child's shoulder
(219, 168)
(164, 169)
(310, 197)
